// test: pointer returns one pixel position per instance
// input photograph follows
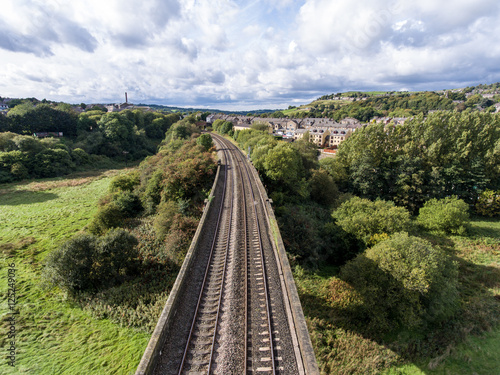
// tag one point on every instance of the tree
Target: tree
(283, 165)
(260, 126)
(308, 153)
(323, 189)
(226, 128)
(368, 220)
(404, 281)
(449, 215)
(205, 141)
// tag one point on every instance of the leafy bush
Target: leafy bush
(310, 235)
(365, 219)
(179, 237)
(107, 217)
(70, 266)
(128, 203)
(205, 141)
(165, 217)
(404, 281)
(449, 215)
(80, 157)
(115, 256)
(488, 203)
(125, 182)
(87, 262)
(323, 189)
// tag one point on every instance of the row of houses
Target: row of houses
(323, 132)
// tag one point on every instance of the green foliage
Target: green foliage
(116, 135)
(442, 155)
(165, 217)
(70, 266)
(108, 216)
(80, 157)
(404, 281)
(448, 215)
(308, 153)
(7, 142)
(180, 171)
(86, 262)
(323, 189)
(125, 182)
(205, 140)
(311, 237)
(128, 203)
(181, 130)
(488, 203)
(365, 219)
(283, 165)
(260, 126)
(52, 163)
(336, 170)
(223, 127)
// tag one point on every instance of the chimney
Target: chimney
(126, 99)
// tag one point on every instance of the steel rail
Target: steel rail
(186, 350)
(264, 272)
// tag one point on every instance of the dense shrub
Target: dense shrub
(87, 262)
(107, 217)
(179, 172)
(449, 215)
(367, 220)
(311, 237)
(128, 203)
(323, 189)
(125, 182)
(80, 157)
(404, 281)
(179, 237)
(70, 266)
(205, 140)
(488, 203)
(164, 219)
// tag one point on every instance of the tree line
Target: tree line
(91, 138)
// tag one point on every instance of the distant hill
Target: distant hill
(194, 110)
(366, 105)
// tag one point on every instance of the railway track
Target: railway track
(234, 316)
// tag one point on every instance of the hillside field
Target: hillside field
(53, 336)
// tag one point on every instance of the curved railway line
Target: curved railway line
(234, 315)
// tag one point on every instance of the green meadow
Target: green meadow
(53, 335)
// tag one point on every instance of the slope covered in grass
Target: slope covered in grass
(54, 336)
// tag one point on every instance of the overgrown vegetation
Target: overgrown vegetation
(116, 275)
(382, 286)
(176, 181)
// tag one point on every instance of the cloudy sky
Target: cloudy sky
(235, 54)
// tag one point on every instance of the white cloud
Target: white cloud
(261, 54)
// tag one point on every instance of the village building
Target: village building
(318, 135)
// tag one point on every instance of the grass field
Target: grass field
(467, 344)
(53, 335)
